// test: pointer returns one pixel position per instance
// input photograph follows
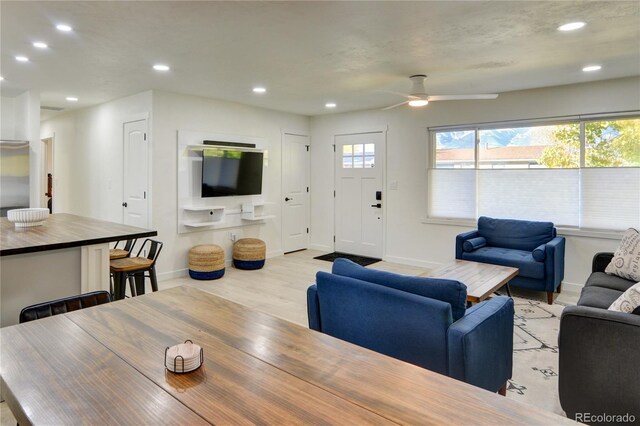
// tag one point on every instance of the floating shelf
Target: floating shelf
(256, 218)
(203, 224)
(202, 208)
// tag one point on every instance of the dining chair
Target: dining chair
(136, 269)
(62, 306)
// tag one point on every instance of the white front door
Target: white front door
(136, 177)
(295, 190)
(359, 164)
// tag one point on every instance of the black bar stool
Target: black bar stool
(133, 269)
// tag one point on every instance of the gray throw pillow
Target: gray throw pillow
(626, 259)
(628, 301)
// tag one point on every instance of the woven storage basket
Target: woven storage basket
(206, 262)
(249, 253)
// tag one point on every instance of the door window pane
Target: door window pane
(347, 149)
(555, 146)
(369, 149)
(612, 143)
(357, 162)
(358, 149)
(369, 162)
(347, 162)
(455, 150)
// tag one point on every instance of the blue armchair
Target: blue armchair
(532, 247)
(423, 321)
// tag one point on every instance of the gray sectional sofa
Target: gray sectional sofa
(599, 372)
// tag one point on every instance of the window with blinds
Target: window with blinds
(578, 173)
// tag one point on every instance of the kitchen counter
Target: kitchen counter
(66, 256)
(62, 230)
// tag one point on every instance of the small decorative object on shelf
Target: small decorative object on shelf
(184, 357)
(25, 218)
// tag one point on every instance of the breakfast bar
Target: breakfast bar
(66, 255)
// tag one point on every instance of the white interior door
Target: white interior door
(136, 176)
(295, 190)
(359, 165)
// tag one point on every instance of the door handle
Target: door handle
(124, 204)
(288, 199)
(379, 206)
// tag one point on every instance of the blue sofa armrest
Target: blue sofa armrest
(554, 263)
(461, 238)
(480, 344)
(313, 308)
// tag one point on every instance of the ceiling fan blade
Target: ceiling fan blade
(461, 97)
(396, 105)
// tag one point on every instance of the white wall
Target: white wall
(408, 239)
(88, 156)
(7, 118)
(173, 112)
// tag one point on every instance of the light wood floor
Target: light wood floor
(279, 289)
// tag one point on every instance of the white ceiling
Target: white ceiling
(309, 53)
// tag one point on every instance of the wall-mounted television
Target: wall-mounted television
(229, 171)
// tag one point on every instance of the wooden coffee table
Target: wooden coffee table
(481, 279)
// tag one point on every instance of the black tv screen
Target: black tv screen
(228, 172)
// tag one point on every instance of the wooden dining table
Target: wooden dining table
(105, 365)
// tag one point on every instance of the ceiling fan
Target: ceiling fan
(419, 97)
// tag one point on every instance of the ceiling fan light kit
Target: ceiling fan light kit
(420, 98)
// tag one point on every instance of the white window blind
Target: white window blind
(544, 194)
(610, 198)
(452, 194)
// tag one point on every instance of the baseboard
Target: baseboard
(321, 247)
(275, 253)
(180, 273)
(412, 262)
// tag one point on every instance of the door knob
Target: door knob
(124, 204)
(287, 198)
(379, 206)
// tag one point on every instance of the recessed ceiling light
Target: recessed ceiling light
(64, 27)
(259, 90)
(40, 45)
(1, 78)
(72, 99)
(330, 105)
(591, 68)
(418, 102)
(571, 26)
(161, 67)
(22, 59)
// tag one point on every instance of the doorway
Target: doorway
(135, 206)
(359, 166)
(46, 199)
(295, 191)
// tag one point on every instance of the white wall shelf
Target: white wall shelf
(254, 212)
(203, 224)
(203, 208)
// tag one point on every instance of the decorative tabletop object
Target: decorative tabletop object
(26, 218)
(184, 357)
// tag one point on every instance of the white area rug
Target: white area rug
(535, 354)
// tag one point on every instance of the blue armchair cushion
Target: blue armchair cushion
(515, 234)
(474, 244)
(449, 291)
(520, 259)
(539, 253)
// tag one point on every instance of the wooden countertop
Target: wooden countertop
(62, 230)
(257, 369)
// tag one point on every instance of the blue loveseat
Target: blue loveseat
(532, 247)
(423, 321)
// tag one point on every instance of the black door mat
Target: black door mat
(360, 260)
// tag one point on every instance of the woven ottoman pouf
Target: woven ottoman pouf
(249, 253)
(206, 262)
